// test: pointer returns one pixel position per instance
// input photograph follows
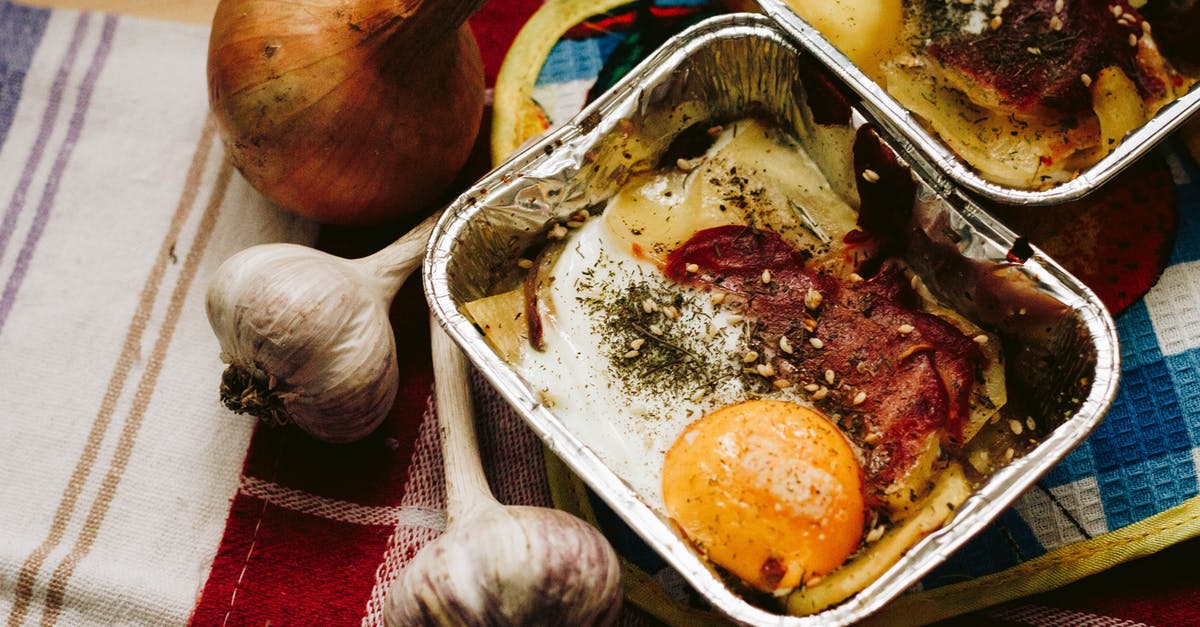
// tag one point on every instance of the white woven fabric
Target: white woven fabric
(117, 462)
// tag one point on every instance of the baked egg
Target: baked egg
(769, 490)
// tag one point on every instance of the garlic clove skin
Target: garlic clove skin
(510, 565)
(307, 339)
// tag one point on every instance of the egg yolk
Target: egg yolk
(769, 490)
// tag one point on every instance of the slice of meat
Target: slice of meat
(897, 380)
(1031, 58)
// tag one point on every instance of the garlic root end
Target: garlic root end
(248, 391)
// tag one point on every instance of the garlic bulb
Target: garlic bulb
(307, 335)
(498, 564)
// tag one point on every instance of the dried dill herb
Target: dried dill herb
(655, 338)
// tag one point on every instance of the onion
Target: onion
(347, 112)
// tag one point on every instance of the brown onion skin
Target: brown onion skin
(347, 112)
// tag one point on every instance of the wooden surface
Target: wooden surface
(190, 11)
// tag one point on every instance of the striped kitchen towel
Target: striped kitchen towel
(117, 464)
(128, 494)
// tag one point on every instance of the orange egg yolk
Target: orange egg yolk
(769, 490)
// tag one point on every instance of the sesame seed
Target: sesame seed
(574, 224)
(872, 437)
(1117, 10)
(765, 370)
(811, 387)
(671, 312)
(1008, 454)
(631, 354)
(557, 232)
(1055, 23)
(525, 263)
(821, 393)
(870, 176)
(750, 356)
(812, 298)
(785, 345)
(636, 344)
(810, 324)
(766, 276)
(1058, 6)
(1133, 39)
(734, 319)
(656, 329)
(1030, 423)
(1034, 51)
(1087, 80)
(1146, 27)
(1016, 427)
(980, 339)
(830, 377)
(996, 22)
(859, 398)
(717, 298)
(692, 268)
(816, 342)
(875, 534)
(854, 277)
(904, 329)
(684, 164)
(781, 384)
(648, 306)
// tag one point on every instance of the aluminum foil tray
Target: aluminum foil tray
(1060, 343)
(892, 115)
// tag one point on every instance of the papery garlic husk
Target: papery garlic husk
(307, 339)
(466, 576)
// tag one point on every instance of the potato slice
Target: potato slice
(936, 510)
(749, 175)
(501, 319)
(1118, 106)
(1005, 149)
(864, 30)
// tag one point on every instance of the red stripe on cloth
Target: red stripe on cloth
(618, 20)
(495, 26)
(1157, 590)
(1160, 589)
(282, 567)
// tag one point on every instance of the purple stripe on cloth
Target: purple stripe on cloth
(42, 216)
(21, 30)
(49, 117)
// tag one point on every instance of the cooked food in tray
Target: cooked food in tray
(732, 334)
(1027, 92)
(801, 372)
